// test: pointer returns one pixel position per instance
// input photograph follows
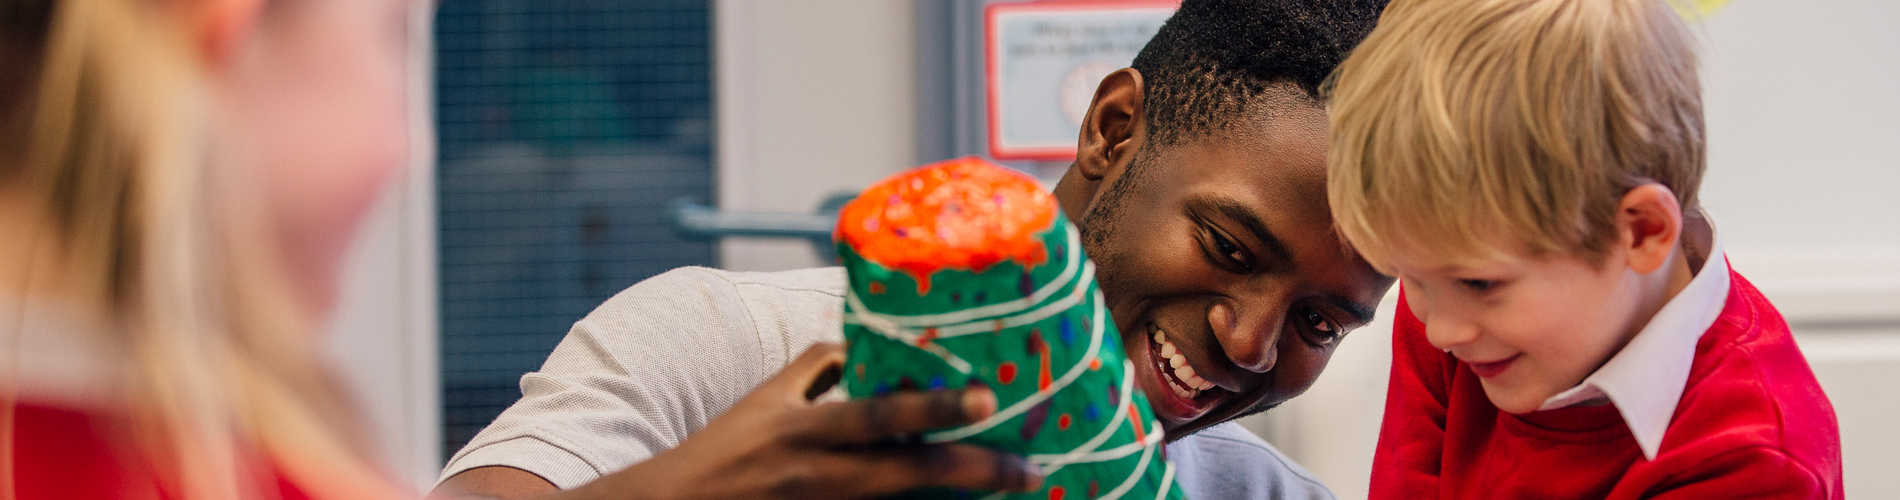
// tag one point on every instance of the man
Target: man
(1199, 186)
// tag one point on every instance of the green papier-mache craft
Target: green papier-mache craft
(964, 272)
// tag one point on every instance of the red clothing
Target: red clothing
(1752, 423)
(61, 454)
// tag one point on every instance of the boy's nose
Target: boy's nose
(1446, 331)
(1250, 342)
(1444, 328)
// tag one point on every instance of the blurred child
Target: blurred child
(178, 182)
(1569, 326)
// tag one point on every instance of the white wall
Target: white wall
(814, 97)
(383, 337)
(1803, 108)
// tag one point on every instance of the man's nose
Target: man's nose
(1251, 341)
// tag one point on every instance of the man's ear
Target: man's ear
(1111, 128)
(1648, 226)
(222, 28)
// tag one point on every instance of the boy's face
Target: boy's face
(1528, 327)
(1223, 245)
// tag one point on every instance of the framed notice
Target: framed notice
(1043, 61)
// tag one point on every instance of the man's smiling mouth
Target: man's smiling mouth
(1191, 394)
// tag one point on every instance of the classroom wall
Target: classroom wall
(814, 98)
(382, 339)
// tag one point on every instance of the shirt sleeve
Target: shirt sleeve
(634, 378)
(1406, 463)
(1228, 462)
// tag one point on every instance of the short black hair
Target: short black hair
(1215, 56)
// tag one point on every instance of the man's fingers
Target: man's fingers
(819, 365)
(896, 469)
(876, 419)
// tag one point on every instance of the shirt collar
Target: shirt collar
(1646, 378)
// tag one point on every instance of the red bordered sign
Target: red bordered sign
(1043, 61)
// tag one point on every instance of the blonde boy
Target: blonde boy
(1568, 327)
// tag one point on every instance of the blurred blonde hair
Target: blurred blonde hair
(222, 378)
(1472, 127)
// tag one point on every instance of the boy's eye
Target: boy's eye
(1478, 285)
(1321, 327)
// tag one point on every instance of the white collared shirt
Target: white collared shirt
(1646, 378)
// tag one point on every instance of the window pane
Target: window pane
(567, 127)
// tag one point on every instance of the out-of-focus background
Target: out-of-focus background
(567, 149)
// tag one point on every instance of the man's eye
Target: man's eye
(1228, 250)
(1478, 285)
(1327, 332)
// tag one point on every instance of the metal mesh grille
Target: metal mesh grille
(566, 127)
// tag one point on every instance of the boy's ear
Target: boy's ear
(1649, 224)
(1110, 129)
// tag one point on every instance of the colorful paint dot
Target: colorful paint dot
(877, 288)
(1095, 363)
(1062, 422)
(1132, 412)
(1026, 284)
(1006, 372)
(930, 334)
(936, 382)
(1095, 488)
(1034, 419)
(1056, 493)
(1065, 331)
(1091, 412)
(982, 298)
(860, 371)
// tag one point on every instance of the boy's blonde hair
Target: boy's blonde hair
(1469, 128)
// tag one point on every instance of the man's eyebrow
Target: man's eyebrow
(1249, 220)
(1359, 312)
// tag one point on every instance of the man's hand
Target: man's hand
(775, 443)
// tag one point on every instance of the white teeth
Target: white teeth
(1182, 391)
(1183, 372)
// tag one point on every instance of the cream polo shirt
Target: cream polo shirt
(1647, 377)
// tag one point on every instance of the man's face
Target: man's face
(1221, 267)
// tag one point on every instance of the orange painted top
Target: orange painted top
(958, 214)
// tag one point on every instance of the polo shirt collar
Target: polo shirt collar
(1646, 378)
